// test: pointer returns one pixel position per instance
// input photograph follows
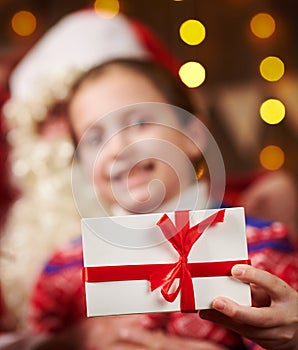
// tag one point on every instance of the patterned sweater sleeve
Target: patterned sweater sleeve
(270, 250)
(58, 297)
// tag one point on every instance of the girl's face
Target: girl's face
(132, 149)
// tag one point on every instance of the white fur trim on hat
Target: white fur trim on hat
(79, 41)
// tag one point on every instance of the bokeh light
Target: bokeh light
(272, 111)
(272, 157)
(192, 74)
(107, 8)
(24, 23)
(272, 68)
(262, 25)
(192, 32)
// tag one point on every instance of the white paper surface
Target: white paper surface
(136, 240)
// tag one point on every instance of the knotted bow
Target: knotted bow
(182, 237)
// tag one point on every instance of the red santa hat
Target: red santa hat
(80, 41)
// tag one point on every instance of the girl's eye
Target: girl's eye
(138, 125)
(140, 122)
(93, 138)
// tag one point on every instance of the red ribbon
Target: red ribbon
(182, 237)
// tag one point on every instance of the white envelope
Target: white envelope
(134, 240)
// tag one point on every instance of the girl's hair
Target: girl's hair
(171, 87)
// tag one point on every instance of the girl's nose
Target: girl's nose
(117, 144)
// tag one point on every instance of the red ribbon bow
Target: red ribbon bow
(182, 237)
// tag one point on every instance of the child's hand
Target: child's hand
(127, 333)
(158, 340)
(109, 332)
(96, 333)
(273, 322)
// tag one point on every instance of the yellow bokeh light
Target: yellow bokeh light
(272, 111)
(262, 25)
(192, 32)
(272, 68)
(24, 23)
(107, 8)
(272, 157)
(192, 74)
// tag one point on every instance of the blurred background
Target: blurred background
(244, 60)
(240, 55)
